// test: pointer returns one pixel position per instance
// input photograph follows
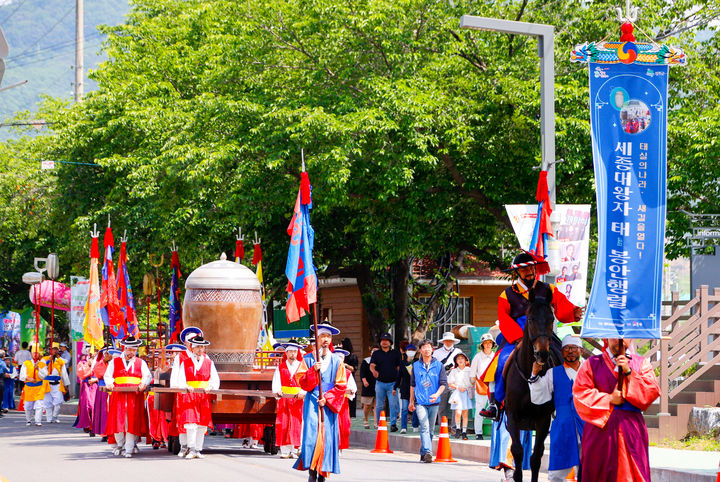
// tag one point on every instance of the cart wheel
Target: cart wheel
(269, 440)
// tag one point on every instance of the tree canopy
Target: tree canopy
(416, 133)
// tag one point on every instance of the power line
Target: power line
(60, 53)
(13, 12)
(48, 32)
(57, 46)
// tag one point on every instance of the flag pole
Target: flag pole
(315, 325)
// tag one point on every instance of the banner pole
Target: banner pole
(317, 359)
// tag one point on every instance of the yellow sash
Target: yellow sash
(291, 390)
(128, 381)
(197, 384)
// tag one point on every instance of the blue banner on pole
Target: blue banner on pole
(628, 104)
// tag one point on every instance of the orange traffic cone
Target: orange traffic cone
(444, 454)
(381, 441)
(571, 476)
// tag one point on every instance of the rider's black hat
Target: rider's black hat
(528, 259)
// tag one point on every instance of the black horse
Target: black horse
(540, 344)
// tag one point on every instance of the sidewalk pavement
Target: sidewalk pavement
(666, 465)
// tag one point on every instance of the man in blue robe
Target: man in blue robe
(320, 446)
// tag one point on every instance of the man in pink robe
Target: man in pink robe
(615, 438)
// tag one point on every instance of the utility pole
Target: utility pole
(79, 38)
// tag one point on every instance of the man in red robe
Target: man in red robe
(173, 428)
(512, 305)
(127, 417)
(610, 393)
(197, 376)
(286, 388)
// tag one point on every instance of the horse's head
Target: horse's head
(539, 328)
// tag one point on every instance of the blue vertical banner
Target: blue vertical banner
(628, 104)
(628, 120)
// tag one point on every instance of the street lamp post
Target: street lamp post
(546, 51)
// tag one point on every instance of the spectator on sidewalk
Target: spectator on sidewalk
(66, 356)
(402, 385)
(479, 364)
(384, 365)
(367, 394)
(427, 384)
(460, 399)
(21, 356)
(445, 354)
(351, 366)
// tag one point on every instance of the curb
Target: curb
(479, 451)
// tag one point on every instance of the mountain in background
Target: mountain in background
(41, 36)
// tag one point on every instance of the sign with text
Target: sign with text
(79, 288)
(628, 104)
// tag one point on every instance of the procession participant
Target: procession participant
(567, 427)
(427, 384)
(512, 305)
(175, 428)
(100, 406)
(319, 449)
(350, 391)
(158, 425)
(8, 400)
(34, 389)
(21, 356)
(127, 418)
(88, 391)
(446, 354)
(288, 422)
(479, 364)
(56, 380)
(197, 375)
(615, 437)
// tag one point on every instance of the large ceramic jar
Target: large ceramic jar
(223, 299)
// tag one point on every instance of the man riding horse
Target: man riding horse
(512, 305)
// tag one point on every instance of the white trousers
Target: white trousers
(37, 406)
(286, 450)
(53, 400)
(195, 436)
(125, 441)
(480, 403)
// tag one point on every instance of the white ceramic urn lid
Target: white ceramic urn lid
(223, 275)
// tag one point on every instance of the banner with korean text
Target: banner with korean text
(628, 104)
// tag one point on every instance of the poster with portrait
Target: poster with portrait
(568, 249)
(79, 288)
(10, 332)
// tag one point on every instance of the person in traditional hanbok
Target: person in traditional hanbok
(86, 396)
(197, 376)
(175, 429)
(567, 427)
(158, 425)
(288, 421)
(34, 390)
(127, 418)
(320, 446)
(350, 391)
(100, 407)
(56, 380)
(611, 392)
(8, 400)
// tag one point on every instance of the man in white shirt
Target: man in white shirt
(566, 430)
(288, 422)
(446, 356)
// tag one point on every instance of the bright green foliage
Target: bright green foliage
(416, 133)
